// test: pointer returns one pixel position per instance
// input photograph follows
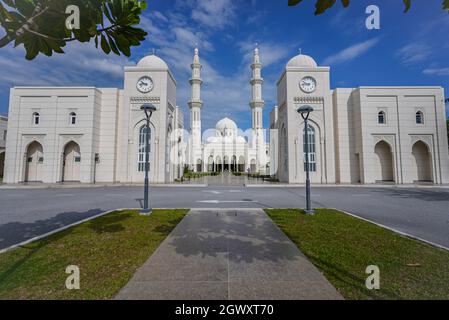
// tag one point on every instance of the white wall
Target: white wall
(54, 130)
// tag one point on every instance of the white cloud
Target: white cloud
(271, 53)
(214, 13)
(414, 52)
(160, 16)
(83, 64)
(436, 71)
(351, 52)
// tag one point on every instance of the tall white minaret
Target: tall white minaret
(257, 104)
(195, 105)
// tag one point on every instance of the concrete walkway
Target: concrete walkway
(228, 255)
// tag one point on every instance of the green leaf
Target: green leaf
(293, 2)
(322, 5)
(408, 4)
(446, 5)
(104, 45)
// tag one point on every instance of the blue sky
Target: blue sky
(410, 49)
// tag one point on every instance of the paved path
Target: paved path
(422, 212)
(228, 255)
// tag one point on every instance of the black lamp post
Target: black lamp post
(148, 109)
(305, 111)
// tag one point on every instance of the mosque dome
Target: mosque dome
(302, 61)
(152, 62)
(225, 123)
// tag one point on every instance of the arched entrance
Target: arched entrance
(211, 164)
(72, 162)
(423, 162)
(199, 165)
(218, 164)
(34, 162)
(226, 163)
(241, 164)
(253, 166)
(234, 164)
(384, 162)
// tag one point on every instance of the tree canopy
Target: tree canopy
(40, 25)
(322, 5)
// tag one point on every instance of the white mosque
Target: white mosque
(226, 148)
(367, 135)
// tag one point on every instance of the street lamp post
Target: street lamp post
(148, 109)
(305, 111)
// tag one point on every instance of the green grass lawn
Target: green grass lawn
(108, 251)
(342, 247)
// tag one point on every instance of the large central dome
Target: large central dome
(302, 61)
(225, 123)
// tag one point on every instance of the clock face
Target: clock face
(145, 84)
(308, 84)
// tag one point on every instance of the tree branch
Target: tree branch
(38, 11)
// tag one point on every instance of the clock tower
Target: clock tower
(303, 82)
(149, 82)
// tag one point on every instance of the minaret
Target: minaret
(257, 105)
(195, 105)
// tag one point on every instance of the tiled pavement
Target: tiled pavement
(228, 255)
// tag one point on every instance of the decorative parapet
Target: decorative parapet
(308, 100)
(142, 100)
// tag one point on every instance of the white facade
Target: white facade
(226, 148)
(3, 135)
(95, 134)
(358, 135)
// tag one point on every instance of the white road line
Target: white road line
(226, 201)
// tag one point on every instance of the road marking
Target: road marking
(212, 191)
(65, 195)
(226, 201)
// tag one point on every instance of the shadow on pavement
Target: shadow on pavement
(245, 237)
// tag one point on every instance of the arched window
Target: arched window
(381, 118)
(72, 118)
(142, 147)
(419, 118)
(36, 118)
(312, 149)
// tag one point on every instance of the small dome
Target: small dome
(225, 123)
(152, 62)
(302, 61)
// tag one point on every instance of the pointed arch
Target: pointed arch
(34, 162)
(384, 162)
(422, 162)
(71, 162)
(142, 147)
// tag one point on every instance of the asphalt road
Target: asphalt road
(26, 213)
